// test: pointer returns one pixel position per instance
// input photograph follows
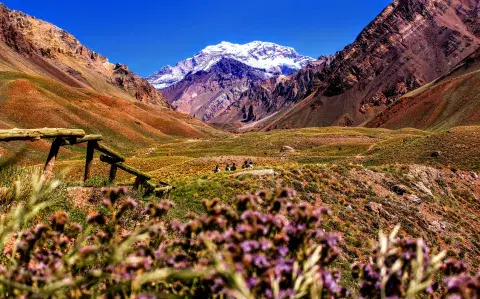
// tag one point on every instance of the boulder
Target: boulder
(421, 186)
(260, 172)
(374, 207)
(414, 199)
(436, 154)
(287, 149)
(474, 175)
(437, 226)
(400, 189)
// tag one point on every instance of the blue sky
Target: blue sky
(148, 34)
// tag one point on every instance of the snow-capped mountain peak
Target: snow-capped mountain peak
(273, 58)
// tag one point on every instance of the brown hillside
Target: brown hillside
(35, 47)
(452, 100)
(35, 102)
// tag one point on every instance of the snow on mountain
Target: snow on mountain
(273, 58)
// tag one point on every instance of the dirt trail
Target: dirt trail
(360, 157)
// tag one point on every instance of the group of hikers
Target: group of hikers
(228, 168)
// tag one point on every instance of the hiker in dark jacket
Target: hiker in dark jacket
(217, 169)
(227, 168)
(245, 164)
(234, 167)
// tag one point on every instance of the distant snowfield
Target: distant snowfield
(273, 59)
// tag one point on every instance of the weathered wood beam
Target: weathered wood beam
(139, 182)
(113, 173)
(110, 152)
(152, 187)
(89, 159)
(163, 189)
(87, 138)
(126, 168)
(36, 134)
(52, 157)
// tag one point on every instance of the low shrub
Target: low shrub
(262, 247)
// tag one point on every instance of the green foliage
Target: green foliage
(189, 193)
(97, 181)
(18, 182)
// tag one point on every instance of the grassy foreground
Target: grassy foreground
(369, 179)
(349, 170)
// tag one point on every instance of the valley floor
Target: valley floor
(371, 179)
(190, 158)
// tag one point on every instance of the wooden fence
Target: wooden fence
(69, 137)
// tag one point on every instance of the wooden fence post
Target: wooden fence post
(89, 159)
(113, 173)
(139, 181)
(52, 156)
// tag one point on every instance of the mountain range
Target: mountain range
(414, 65)
(208, 83)
(410, 44)
(273, 59)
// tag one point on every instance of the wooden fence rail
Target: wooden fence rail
(87, 138)
(65, 137)
(36, 134)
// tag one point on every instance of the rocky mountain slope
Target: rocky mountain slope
(411, 43)
(258, 99)
(451, 100)
(35, 47)
(49, 79)
(206, 94)
(37, 102)
(272, 58)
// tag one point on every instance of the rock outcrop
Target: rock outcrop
(138, 87)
